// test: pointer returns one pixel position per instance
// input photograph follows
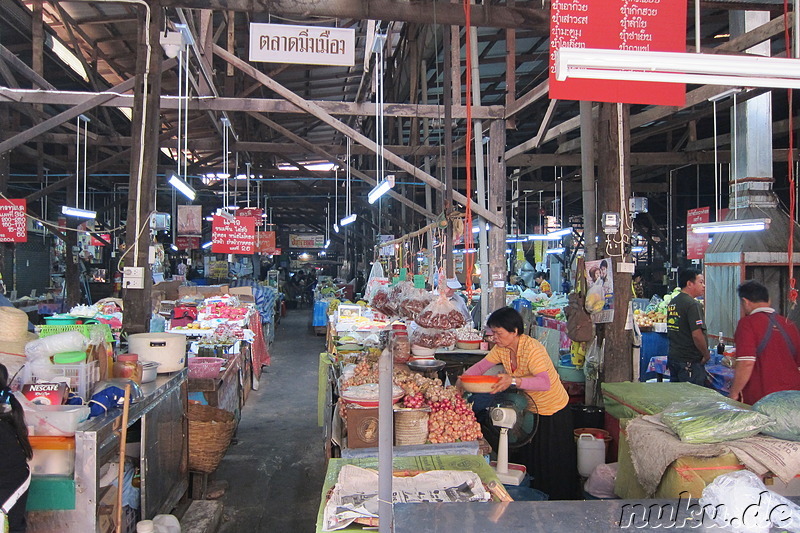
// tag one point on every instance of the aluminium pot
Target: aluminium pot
(168, 349)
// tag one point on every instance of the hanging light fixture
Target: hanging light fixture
(183, 187)
(350, 217)
(383, 184)
(729, 226)
(79, 210)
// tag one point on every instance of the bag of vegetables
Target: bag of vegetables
(706, 422)
(783, 408)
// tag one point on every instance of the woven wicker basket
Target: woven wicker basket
(410, 426)
(210, 432)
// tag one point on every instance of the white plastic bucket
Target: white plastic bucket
(591, 452)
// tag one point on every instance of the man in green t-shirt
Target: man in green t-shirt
(686, 328)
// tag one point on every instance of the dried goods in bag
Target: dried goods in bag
(381, 303)
(441, 314)
(413, 302)
(432, 337)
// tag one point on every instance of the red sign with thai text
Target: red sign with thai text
(265, 242)
(94, 241)
(13, 226)
(696, 243)
(186, 242)
(254, 212)
(642, 25)
(237, 236)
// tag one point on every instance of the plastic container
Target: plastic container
(60, 320)
(51, 493)
(52, 456)
(69, 358)
(205, 367)
(401, 348)
(468, 345)
(54, 420)
(166, 523)
(169, 349)
(591, 452)
(81, 377)
(127, 366)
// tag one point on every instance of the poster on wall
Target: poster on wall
(190, 220)
(600, 290)
(13, 226)
(657, 26)
(696, 243)
(237, 236)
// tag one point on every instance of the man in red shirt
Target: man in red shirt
(767, 348)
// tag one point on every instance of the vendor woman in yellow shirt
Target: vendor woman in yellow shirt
(551, 456)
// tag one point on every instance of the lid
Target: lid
(68, 358)
(150, 364)
(52, 443)
(399, 333)
(128, 357)
(399, 326)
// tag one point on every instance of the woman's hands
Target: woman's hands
(503, 382)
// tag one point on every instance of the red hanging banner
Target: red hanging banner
(254, 212)
(13, 227)
(265, 242)
(646, 25)
(94, 241)
(696, 243)
(237, 236)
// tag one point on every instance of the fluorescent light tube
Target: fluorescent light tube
(678, 67)
(336, 228)
(637, 249)
(224, 214)
(174, 248)
(207, 245)
(379, 190)
(76, 212)
(555, 251)
(184, 188)
(563, 232)
(349, 219)
(730, 226)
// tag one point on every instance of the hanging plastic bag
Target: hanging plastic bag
(782, 407)
(413, 301)
(431, 337)
(594, 360)
(380, 302)
(441, 314)
(706, 422)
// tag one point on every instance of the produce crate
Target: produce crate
(52, 329)
(81, 377)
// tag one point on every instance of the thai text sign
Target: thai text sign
(696, 243)
(237, 236)
(639, 25)
(106, 239)
(265, 242)
(307, 45)
(187, 242)
(308, 240)
(13, 227)
(254, 212)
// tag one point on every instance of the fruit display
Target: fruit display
(646, 319)
(222, 310)
(551, 313)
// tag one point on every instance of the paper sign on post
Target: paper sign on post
(237, 236)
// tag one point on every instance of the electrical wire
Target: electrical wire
(792, 295)
(468, 235)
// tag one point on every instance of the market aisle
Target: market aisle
(275, 472)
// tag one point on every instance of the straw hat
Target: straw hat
(14, 334)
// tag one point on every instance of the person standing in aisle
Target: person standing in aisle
(686, 329)
(767, 348)
(551, 456)
(16, 452)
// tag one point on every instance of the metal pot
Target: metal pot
(169, 349)
(149, 371)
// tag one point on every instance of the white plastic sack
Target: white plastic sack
(601, 481)
(68, 341)
(740, 502)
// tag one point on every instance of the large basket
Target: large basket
(210, 432)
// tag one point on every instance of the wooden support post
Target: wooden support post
(497, 205)
(511, 70)
(144, 157)
(614, 185)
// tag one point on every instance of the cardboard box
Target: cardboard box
(245, 294)
(169, 288)
(187, 290)
(45, 393)
(207, 291)
(362, 427)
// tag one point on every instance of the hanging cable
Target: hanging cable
(792, 296)
(469, 260)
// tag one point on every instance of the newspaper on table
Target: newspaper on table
(355, 494)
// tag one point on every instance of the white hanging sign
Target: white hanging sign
(308, 45)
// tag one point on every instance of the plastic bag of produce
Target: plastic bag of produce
(653, 304)
(431, 337)
(441, 314)
(380, 302)
(705, 422)
(414, 301)
(739, 502)
(595, 299)
(783, 408)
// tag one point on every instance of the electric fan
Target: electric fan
(513, 424)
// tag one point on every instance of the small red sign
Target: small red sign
(696, 243)
(254, 212)
(13, 227)
(237, 236)
(617, 25)
(265, 242)
(186, 242)
(94, 241)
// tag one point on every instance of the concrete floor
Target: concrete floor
(275, 470)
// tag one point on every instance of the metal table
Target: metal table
(163, 466)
